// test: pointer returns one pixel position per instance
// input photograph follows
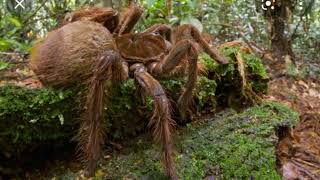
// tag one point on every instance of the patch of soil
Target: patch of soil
(299, 152)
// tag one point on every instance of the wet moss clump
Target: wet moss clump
(35, 116)
(241, 81)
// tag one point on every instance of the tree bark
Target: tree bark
(278, 19)
(280, 43)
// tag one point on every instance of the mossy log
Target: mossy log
(229, 146)
(35, 117)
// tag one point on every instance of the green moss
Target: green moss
(230, 146)
(3, 65)
(230, 91)
(33, 117)
(30, 116)
(253, 65)
(206, 94)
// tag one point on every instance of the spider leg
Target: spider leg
(128, 19)
(161, 122)
(163, 29)
(91, 134)
(106, 16)
(183, 49)
(187, 31)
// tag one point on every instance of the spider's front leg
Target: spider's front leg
(108, 17)
(161, 122)
(183, 49)
(91, 134)
(128, 19)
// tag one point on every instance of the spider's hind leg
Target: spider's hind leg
(91, 134)
(183, 50)
(161, 122)
(188, 31)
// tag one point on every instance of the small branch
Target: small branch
(13, 53)
(21, 56)
(35, 12)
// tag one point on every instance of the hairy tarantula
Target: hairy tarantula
(95, 46)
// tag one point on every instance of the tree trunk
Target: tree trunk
(278, 19)
(281, 44)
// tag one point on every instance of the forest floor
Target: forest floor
(299, 152)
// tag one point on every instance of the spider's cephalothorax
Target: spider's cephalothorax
(93, 48)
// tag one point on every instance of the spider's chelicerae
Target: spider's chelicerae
(94, 46)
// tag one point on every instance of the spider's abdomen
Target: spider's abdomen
(67, 54)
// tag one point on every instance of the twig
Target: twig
(13, 53)
(13, 60)
(35, 12)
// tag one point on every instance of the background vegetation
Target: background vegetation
(225, 19)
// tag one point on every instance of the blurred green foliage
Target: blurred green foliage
(3, 65)
(226, 20)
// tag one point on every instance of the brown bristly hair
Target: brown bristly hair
(105, 16)
(187, 31)
(160, 122)
(129, 17)
(64, 59)
(185, 99)
(91, 134)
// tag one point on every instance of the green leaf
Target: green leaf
(15, 22)
(3, 65)
(4, 45)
